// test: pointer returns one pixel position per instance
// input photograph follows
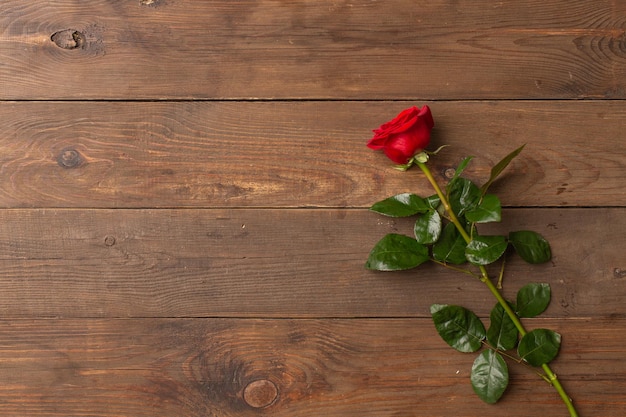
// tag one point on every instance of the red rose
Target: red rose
(405, 136)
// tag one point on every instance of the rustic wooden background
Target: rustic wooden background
(184, 188)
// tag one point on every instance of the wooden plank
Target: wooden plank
(200, 367)
(280, 263)
(296, 154)
(312, 49)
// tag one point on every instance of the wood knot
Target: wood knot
(151, 3)
(449, 173)
(68, 39)
(109, 240)
(260, 393)
(69, 158)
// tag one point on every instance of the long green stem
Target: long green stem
(551, 376)
(444, 201)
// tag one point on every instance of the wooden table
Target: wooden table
(184, 188)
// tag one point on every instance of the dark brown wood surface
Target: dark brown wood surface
(364, 49)
(297, 154)
(278, 263)
(184, 189)
(344, 367)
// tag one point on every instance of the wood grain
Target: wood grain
(202, 367)
(280, 263)
(297, 154)
(249, 49)
(183, 194)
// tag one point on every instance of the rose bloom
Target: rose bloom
(405, 136)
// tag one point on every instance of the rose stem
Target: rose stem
(551, 376)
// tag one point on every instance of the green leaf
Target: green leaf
(396, 252)
(433, 201)
(539, 346)
(533, 299)
(459, 169)
(489, 210)
(450, 248)
(464, 196)
(483, 250)
(499, 167)
(502, 333)
(530, 246)
(458, 327)
(401, 205)
(490, 376)
(428, 228)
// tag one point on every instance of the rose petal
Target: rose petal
(377, 142)
(396, 156)
(426, 115)
(404, 136)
